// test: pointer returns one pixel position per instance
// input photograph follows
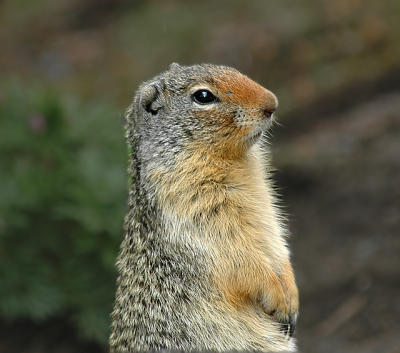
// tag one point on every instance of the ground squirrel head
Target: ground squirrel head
(215, 107)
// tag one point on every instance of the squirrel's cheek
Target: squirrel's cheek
(243, 119)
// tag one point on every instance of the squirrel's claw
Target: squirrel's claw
(281, 301)
(289, 326)
(286, 320)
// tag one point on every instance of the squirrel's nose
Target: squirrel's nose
(270, 105)
(269, 109)
(268, 112)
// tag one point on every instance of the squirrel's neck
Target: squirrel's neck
(201, 180)
(200, 183)
(204, 197)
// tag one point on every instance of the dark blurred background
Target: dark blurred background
(68, 70)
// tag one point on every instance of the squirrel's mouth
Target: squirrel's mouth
(254, 136)
(257, 132)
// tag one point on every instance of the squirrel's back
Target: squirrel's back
(204, 264)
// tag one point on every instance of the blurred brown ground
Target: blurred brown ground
(335, 66)
(340, 178)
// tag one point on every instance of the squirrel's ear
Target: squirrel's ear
(151, 97)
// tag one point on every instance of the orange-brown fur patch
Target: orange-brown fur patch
(245, 92)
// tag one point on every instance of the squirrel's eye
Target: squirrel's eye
(203, 96)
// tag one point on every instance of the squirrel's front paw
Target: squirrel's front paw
(281, 300)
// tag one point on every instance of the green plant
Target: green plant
(62, 200)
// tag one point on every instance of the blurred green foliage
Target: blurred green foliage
(63, 191)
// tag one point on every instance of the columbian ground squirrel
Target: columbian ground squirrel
(204, 264)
